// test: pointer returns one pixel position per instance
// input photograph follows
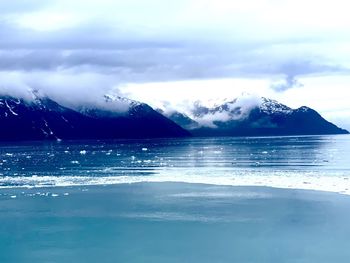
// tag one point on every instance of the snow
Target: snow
(47, 126)
(10, 109)
(236, 109)
(272, 107)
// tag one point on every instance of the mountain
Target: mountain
(117, 117)
(181, 119)
(262, 117)
(43, 118)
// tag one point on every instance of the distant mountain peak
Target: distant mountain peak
(113, 98)
(251, 115)
(303, 109)
(270, 106)
(42, 118)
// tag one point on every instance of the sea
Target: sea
(241, 199)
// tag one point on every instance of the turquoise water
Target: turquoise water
(176, 200)
(174, 222)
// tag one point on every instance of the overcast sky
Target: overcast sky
(295, 51)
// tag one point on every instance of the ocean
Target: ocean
(261, 199)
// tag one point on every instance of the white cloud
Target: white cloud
(209, 91)
(69, 88)
(179, 51)
(48, 21)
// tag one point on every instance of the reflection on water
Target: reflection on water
(320, 155)
(176, 222)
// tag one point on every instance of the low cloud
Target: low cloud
(288, 83)
(112, 44)
(207, 115)
(70, 89)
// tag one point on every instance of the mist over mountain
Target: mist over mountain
(82, 91)
(252, 116)
(40, 118)
(33, 115)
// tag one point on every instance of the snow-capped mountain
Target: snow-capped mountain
(108, 105)
(39, 117)
(269, 106)
(42, 118)
(251, 116)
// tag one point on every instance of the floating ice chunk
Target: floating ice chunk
(75, 162)
(13, 196)
(264, 152)
(54, 195)
(66, 194)
(9, 154)
(144, 149)
(83, 152)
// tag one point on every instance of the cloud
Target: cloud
(221, 111)
(92, 47)
(301, 68)
(144, 46)
(70, 89)
(288, 83)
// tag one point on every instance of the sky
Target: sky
(171, 52)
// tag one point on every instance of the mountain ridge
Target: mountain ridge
(42, 118)
(266, 118)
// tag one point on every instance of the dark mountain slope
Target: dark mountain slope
(267, 118)
(43, 118)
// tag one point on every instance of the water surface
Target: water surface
(309, 162)
(176, 200)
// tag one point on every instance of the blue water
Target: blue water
(199, 159)
(176, 200)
